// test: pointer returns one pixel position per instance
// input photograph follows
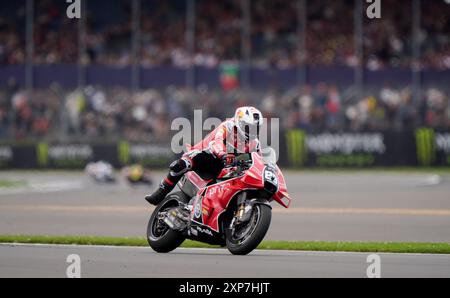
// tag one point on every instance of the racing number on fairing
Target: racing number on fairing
(271, 177)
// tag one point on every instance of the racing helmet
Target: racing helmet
(248, 122)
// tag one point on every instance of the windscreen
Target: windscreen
(269, 156)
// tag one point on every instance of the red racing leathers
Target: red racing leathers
(208, 155)
(225, 140)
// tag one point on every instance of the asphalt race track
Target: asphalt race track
(50, 261)
(334, 206)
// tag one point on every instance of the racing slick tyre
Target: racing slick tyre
(244, 239)
(160, 237)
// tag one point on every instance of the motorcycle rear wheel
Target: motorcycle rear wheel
(160, 237)
(260, 223)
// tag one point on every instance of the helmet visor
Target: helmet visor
(251, 131)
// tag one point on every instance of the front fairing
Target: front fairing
(254, 178)
(282, 196)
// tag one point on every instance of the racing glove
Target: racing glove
(228, 159)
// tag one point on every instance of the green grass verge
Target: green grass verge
(10, 184)
(391, 247)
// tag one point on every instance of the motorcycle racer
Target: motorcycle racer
(101, 172)
(234, 136)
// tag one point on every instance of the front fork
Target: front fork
(244, 211)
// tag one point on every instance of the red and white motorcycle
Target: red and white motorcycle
(233, 210)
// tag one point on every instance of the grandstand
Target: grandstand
(127, 68)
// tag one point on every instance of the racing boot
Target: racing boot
(165, 187)
(177, 169)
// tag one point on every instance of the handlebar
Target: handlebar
(240, 162)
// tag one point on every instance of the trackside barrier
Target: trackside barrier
(423, 147)
(298, 149)
(45, 155)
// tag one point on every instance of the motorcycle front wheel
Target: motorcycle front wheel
(159, 236)
(245, 238)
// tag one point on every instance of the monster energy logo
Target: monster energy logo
(296, 140)
(124, 152)
(425, 143)
(42, 154)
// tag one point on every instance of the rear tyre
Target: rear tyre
(159, 236)
(254, 232)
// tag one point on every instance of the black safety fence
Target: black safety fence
(43, 155)
(297, 149)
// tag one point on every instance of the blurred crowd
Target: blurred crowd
(219, 35)
(115, 113)
(273, 40)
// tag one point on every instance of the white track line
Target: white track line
(43, 187)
